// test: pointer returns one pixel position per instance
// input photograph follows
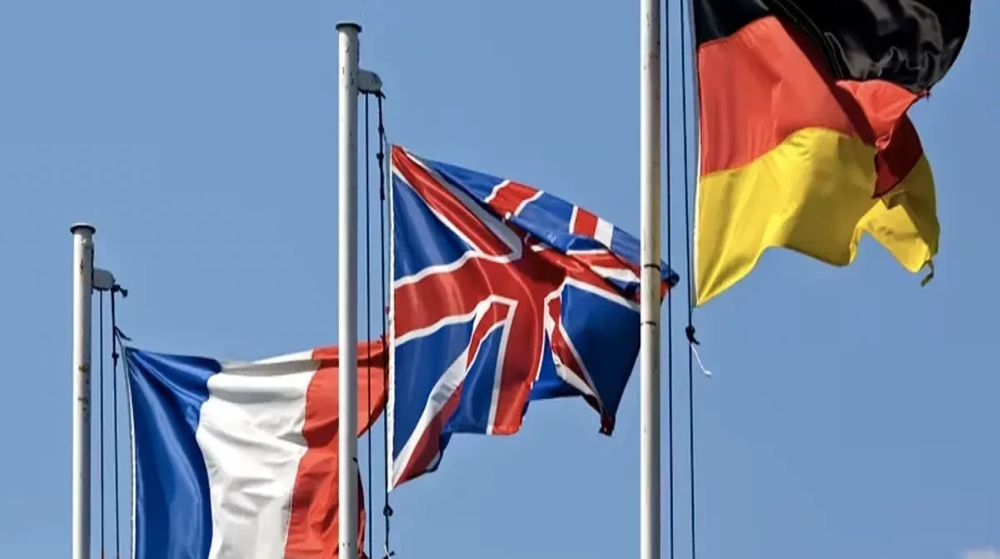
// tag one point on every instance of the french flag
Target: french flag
(238, 460)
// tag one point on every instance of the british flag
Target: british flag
(501, 294)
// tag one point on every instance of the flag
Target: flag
(501, 294)
(804, 138)
(239, 460)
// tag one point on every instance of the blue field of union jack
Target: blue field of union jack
(501, 294)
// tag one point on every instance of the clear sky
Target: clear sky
(851, 412)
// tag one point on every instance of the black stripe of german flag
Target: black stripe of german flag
(805, 142)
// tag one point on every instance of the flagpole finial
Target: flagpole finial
(346, 25)
(82, 227)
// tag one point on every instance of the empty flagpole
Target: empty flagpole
(83, 273)
(649, 243)
(347, 300)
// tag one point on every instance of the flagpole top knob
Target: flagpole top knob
(348, 26)
(83, 228)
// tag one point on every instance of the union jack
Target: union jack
(501, 294)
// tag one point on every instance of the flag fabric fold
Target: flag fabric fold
(239, 460)
(805, 142)
(501, 294)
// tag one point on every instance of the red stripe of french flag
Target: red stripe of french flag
(314, 521)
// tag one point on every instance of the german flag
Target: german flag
(804, 139)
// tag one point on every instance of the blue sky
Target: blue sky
(851, 412)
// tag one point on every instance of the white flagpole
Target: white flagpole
(353, 81)
(83, 273)
(649, 162)
(347, 300)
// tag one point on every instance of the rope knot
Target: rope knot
(689, 331)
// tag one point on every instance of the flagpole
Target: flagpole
(347, 300)
(649, 242)
(83, 272)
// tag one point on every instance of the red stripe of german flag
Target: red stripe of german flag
(805, 142)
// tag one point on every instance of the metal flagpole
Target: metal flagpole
(649, 162)
(83, 273)
(347, 300)
(352, 81)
